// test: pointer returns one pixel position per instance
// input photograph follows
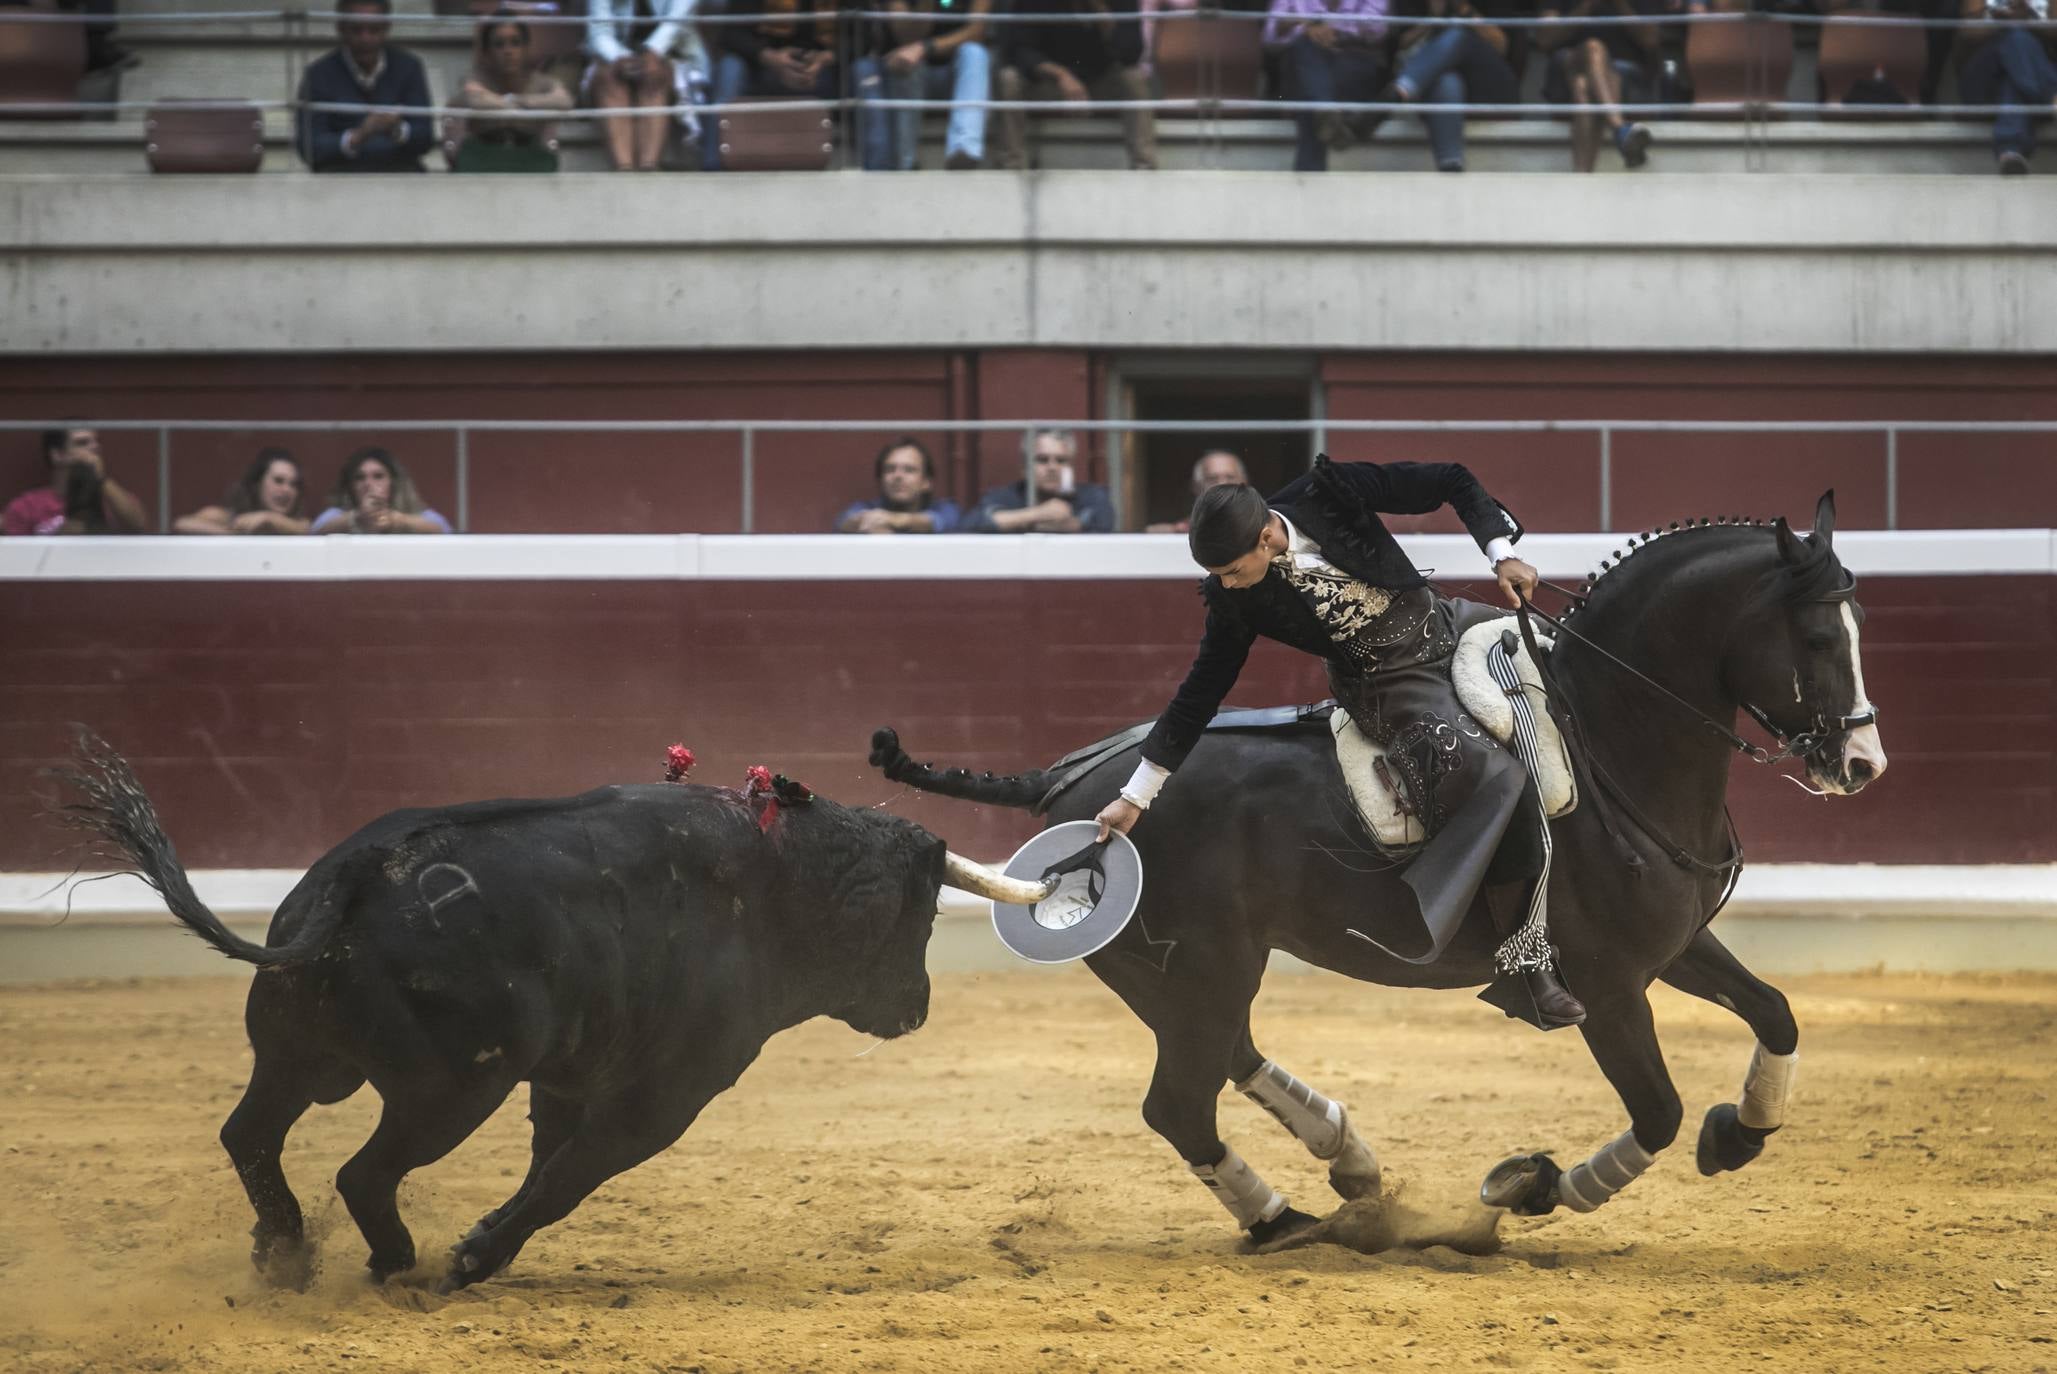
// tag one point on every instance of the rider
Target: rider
(1317, 569)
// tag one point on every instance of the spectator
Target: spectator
(933, 51)
(791, 51)
(906, 503)
(501, 78)
(2003, 49)
(363, 71)
(264, 500)
(1330, 52)
(374, 495)
(1097, 58)
(1602, 64)
(641, 64)
(80, 497)
(1216, 468)
(1062, 505)
(1451, 66)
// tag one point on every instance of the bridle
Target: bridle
(1820, 730)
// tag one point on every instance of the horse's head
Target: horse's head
(1795, 664)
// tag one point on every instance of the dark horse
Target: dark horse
(1253, 847)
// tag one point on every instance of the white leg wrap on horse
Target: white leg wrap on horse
(1315, 1122)
(1619, 1163)
(1249, 1199)
(1765, 1089)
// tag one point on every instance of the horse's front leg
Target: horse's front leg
(1734, 1134)
(1623, 1039)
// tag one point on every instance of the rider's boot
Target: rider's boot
(1528, 986)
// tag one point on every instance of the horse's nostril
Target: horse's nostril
(1861, 770)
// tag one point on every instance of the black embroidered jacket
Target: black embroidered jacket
(1337, 506)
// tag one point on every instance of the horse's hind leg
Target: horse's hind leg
(1623, 1038)
(1732, 1135)
(280, 1092)
(1199, 1016)
(1313, 1119)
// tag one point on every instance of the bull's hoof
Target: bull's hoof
(284, 1262)
(1523, 1184)
(1726, 1144)
(1286, 1223)
(383, 1267)
(471, 1260)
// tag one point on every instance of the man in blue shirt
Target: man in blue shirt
(906, 503)
(364, 71)
(1061, 504)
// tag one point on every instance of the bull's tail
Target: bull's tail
(116, 815)
(1021, 790)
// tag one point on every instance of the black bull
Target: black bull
(627, 952)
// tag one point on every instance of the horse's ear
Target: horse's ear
(1790, 548)
(1825, 517)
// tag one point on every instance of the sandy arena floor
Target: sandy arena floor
(984, 1195)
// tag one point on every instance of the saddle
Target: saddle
(1376, 789)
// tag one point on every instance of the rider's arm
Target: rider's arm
(1224, 648)
(1418, 488)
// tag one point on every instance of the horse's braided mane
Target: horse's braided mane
(1817, 572)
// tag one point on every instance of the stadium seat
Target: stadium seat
(40, 62)
(1890, 58)
(775, 136)
(177, 138)
(1747, 60)
(1201, 59)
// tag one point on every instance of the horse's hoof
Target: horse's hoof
(1523, 1184)
(1354, 1173)
(1286, 1223)
(1351, 1187)
(1726, 1144)
(284, 1263)
(384, 1267)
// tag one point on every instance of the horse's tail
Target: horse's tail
(1021, 790)
(115, 812)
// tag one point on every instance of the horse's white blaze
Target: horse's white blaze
(1863, 743)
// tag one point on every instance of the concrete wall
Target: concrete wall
(119, 265)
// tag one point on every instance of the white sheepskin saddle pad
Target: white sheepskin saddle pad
(1359, 755)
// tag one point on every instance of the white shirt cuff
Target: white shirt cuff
(1142, 786)
(1497, 548)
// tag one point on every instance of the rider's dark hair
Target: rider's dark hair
(1227, 521)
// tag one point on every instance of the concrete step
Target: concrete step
(1537, 145)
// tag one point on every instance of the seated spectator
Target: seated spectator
(906, 502)
(1451, 66)
(1062, 504)
(929, 50)
(501, 78)
(1097, 58)
(374, 495)
(364, 71)
(80, 497)
(2003, 51)
(1330, 51)
(1215, 468)
(1602, 64)
(264, 500)
(644, 53)
(790, 52)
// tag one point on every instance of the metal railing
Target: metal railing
(1211, 103)
(1319, 434)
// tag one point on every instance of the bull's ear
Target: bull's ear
(1825, 518)
(1789, 547)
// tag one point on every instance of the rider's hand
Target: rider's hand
(1120, 814)
(1517, 580)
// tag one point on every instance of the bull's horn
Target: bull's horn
(959, 871)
